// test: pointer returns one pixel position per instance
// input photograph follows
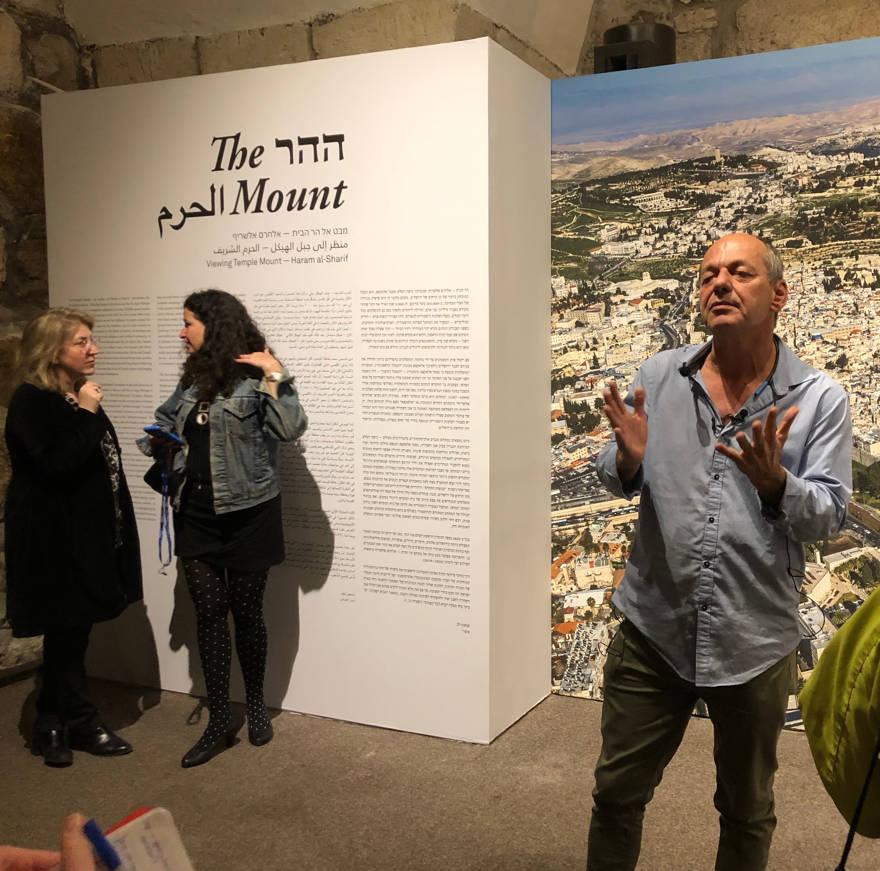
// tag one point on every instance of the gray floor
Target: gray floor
(331, 796)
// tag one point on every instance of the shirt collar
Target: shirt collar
(692, 359)
(787, 374)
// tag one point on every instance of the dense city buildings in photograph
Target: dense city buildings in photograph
(631, 220)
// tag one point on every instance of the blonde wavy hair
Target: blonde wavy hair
(41, 342)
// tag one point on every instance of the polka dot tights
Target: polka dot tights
(215, 592)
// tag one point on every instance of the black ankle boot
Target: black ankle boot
(212, 742)
(260, 729)
(259, 737)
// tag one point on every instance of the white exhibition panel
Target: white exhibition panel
(349, 204)
(519, 351)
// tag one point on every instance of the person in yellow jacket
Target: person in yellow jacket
(840, 705)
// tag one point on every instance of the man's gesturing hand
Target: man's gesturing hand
(759, 460)
(630, 430)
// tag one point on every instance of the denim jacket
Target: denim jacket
(246, 428)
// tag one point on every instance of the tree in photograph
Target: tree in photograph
(586, 540)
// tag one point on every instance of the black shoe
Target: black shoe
(207, 747)
(99, 741)
(259, 737)
(52, 746)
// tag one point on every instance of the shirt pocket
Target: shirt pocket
(241, 417)
(180, 412)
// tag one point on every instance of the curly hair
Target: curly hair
(229, 331)
(41, 343)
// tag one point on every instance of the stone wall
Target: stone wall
(726, 28)
(399, 24)
(36, 43)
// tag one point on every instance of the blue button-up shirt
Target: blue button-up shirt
(714, 576)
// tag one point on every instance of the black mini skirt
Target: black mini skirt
(251, 539)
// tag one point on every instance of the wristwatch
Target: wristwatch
(274, 376)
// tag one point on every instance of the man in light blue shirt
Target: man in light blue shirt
(740, 453)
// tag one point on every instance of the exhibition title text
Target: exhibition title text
(255, 197)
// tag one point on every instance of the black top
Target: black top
(251, 539)
(197, 432)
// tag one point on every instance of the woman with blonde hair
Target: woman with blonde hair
(72, 554)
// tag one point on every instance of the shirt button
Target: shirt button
(711, 520)
(704, 607)
(706, 564)
(716, 477)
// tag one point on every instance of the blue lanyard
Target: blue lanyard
(165, 515)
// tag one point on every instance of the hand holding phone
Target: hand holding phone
(156, 432)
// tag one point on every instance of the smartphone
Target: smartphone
(159, 433)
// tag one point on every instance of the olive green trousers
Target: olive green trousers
(646, 710)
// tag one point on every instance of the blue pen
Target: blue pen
(101, 846)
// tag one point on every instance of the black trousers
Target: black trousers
(63, 699)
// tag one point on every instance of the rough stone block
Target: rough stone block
(248, 49)
(416, 22)
(14, 314)
(525, 53)
(395, 25)
(44, 7)
(470, 24)
(693, 46)
(34, 291)
(8, 347)
(18, 654)
(11, 333)
(31, 257)
(767, 25)
(5, 468)
(21, 165)
(56, 61)
(11, 74)
(87, 64)
(3, 255)
(694, 20)
(149, 61)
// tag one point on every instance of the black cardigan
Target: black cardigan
(62, 565)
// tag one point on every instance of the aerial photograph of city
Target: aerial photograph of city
(649, 167)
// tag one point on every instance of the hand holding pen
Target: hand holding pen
(78, 845)
(76, 852)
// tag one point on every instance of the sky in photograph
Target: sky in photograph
(689, 96)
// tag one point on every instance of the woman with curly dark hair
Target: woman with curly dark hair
(235, 402)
